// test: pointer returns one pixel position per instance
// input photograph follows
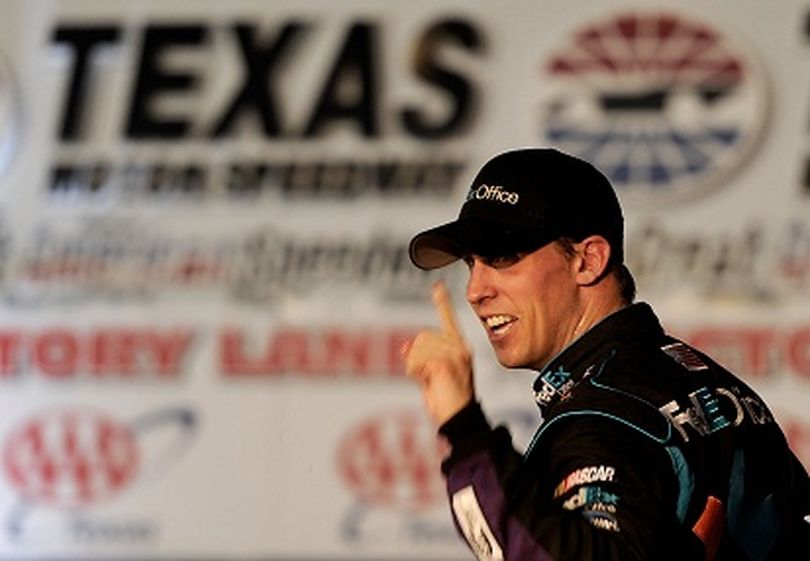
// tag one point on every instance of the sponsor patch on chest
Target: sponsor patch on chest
(596, 505)
(581, 476)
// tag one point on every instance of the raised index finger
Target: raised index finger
(444, 307)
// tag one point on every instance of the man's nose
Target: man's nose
(479, 285)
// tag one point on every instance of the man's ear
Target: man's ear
(594, 254)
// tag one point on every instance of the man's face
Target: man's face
(528, 304)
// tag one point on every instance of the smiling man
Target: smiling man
(646, 448)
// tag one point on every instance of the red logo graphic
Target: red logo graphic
(393, 460)
(665, 105)
(70, 457)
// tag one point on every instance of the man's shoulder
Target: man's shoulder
(633, 383)
(662, 389)
(617, 397)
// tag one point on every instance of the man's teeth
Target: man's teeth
(495, 322)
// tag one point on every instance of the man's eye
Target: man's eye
(499, 262)
(503, 261)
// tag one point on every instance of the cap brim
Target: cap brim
(449, 242)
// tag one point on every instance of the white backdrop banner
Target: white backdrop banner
(204, 216)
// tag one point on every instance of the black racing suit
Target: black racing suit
(647, 450)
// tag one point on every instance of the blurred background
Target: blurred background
(204, 215)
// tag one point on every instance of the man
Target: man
(647, 449)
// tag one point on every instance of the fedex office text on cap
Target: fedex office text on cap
(486, 192)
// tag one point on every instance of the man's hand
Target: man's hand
(439, 361)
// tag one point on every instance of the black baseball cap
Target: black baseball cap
(521, 200)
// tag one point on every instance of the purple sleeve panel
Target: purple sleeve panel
(591, 492)
(482, 517)
(476, 493)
